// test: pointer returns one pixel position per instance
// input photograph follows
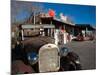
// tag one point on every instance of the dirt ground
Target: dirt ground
(87, 52)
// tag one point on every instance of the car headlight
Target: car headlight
(32, 58)
(64, 51)
(77, 62)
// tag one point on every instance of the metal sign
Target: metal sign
(49, 60)
(38, 26)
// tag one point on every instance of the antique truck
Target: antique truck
(36, 54)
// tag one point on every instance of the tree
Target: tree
(18, 7)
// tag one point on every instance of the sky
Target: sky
(79, 14)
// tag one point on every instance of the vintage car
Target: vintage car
(40, 54)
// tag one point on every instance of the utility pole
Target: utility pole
(33, 10)
(34, 17)
(34, 20)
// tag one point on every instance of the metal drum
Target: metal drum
(49, 59)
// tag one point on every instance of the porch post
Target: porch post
(86, 31)
(73, 31)
(22, 34)
(56, 37)
(65, 36)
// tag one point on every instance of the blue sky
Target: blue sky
(79, 14)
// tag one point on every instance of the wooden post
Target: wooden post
(86, 31)
(64, 34)
(56, 37)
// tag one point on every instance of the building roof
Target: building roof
(48, 20)
(84, 26)
(66, 22)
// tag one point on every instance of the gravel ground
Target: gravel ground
(87, 52)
